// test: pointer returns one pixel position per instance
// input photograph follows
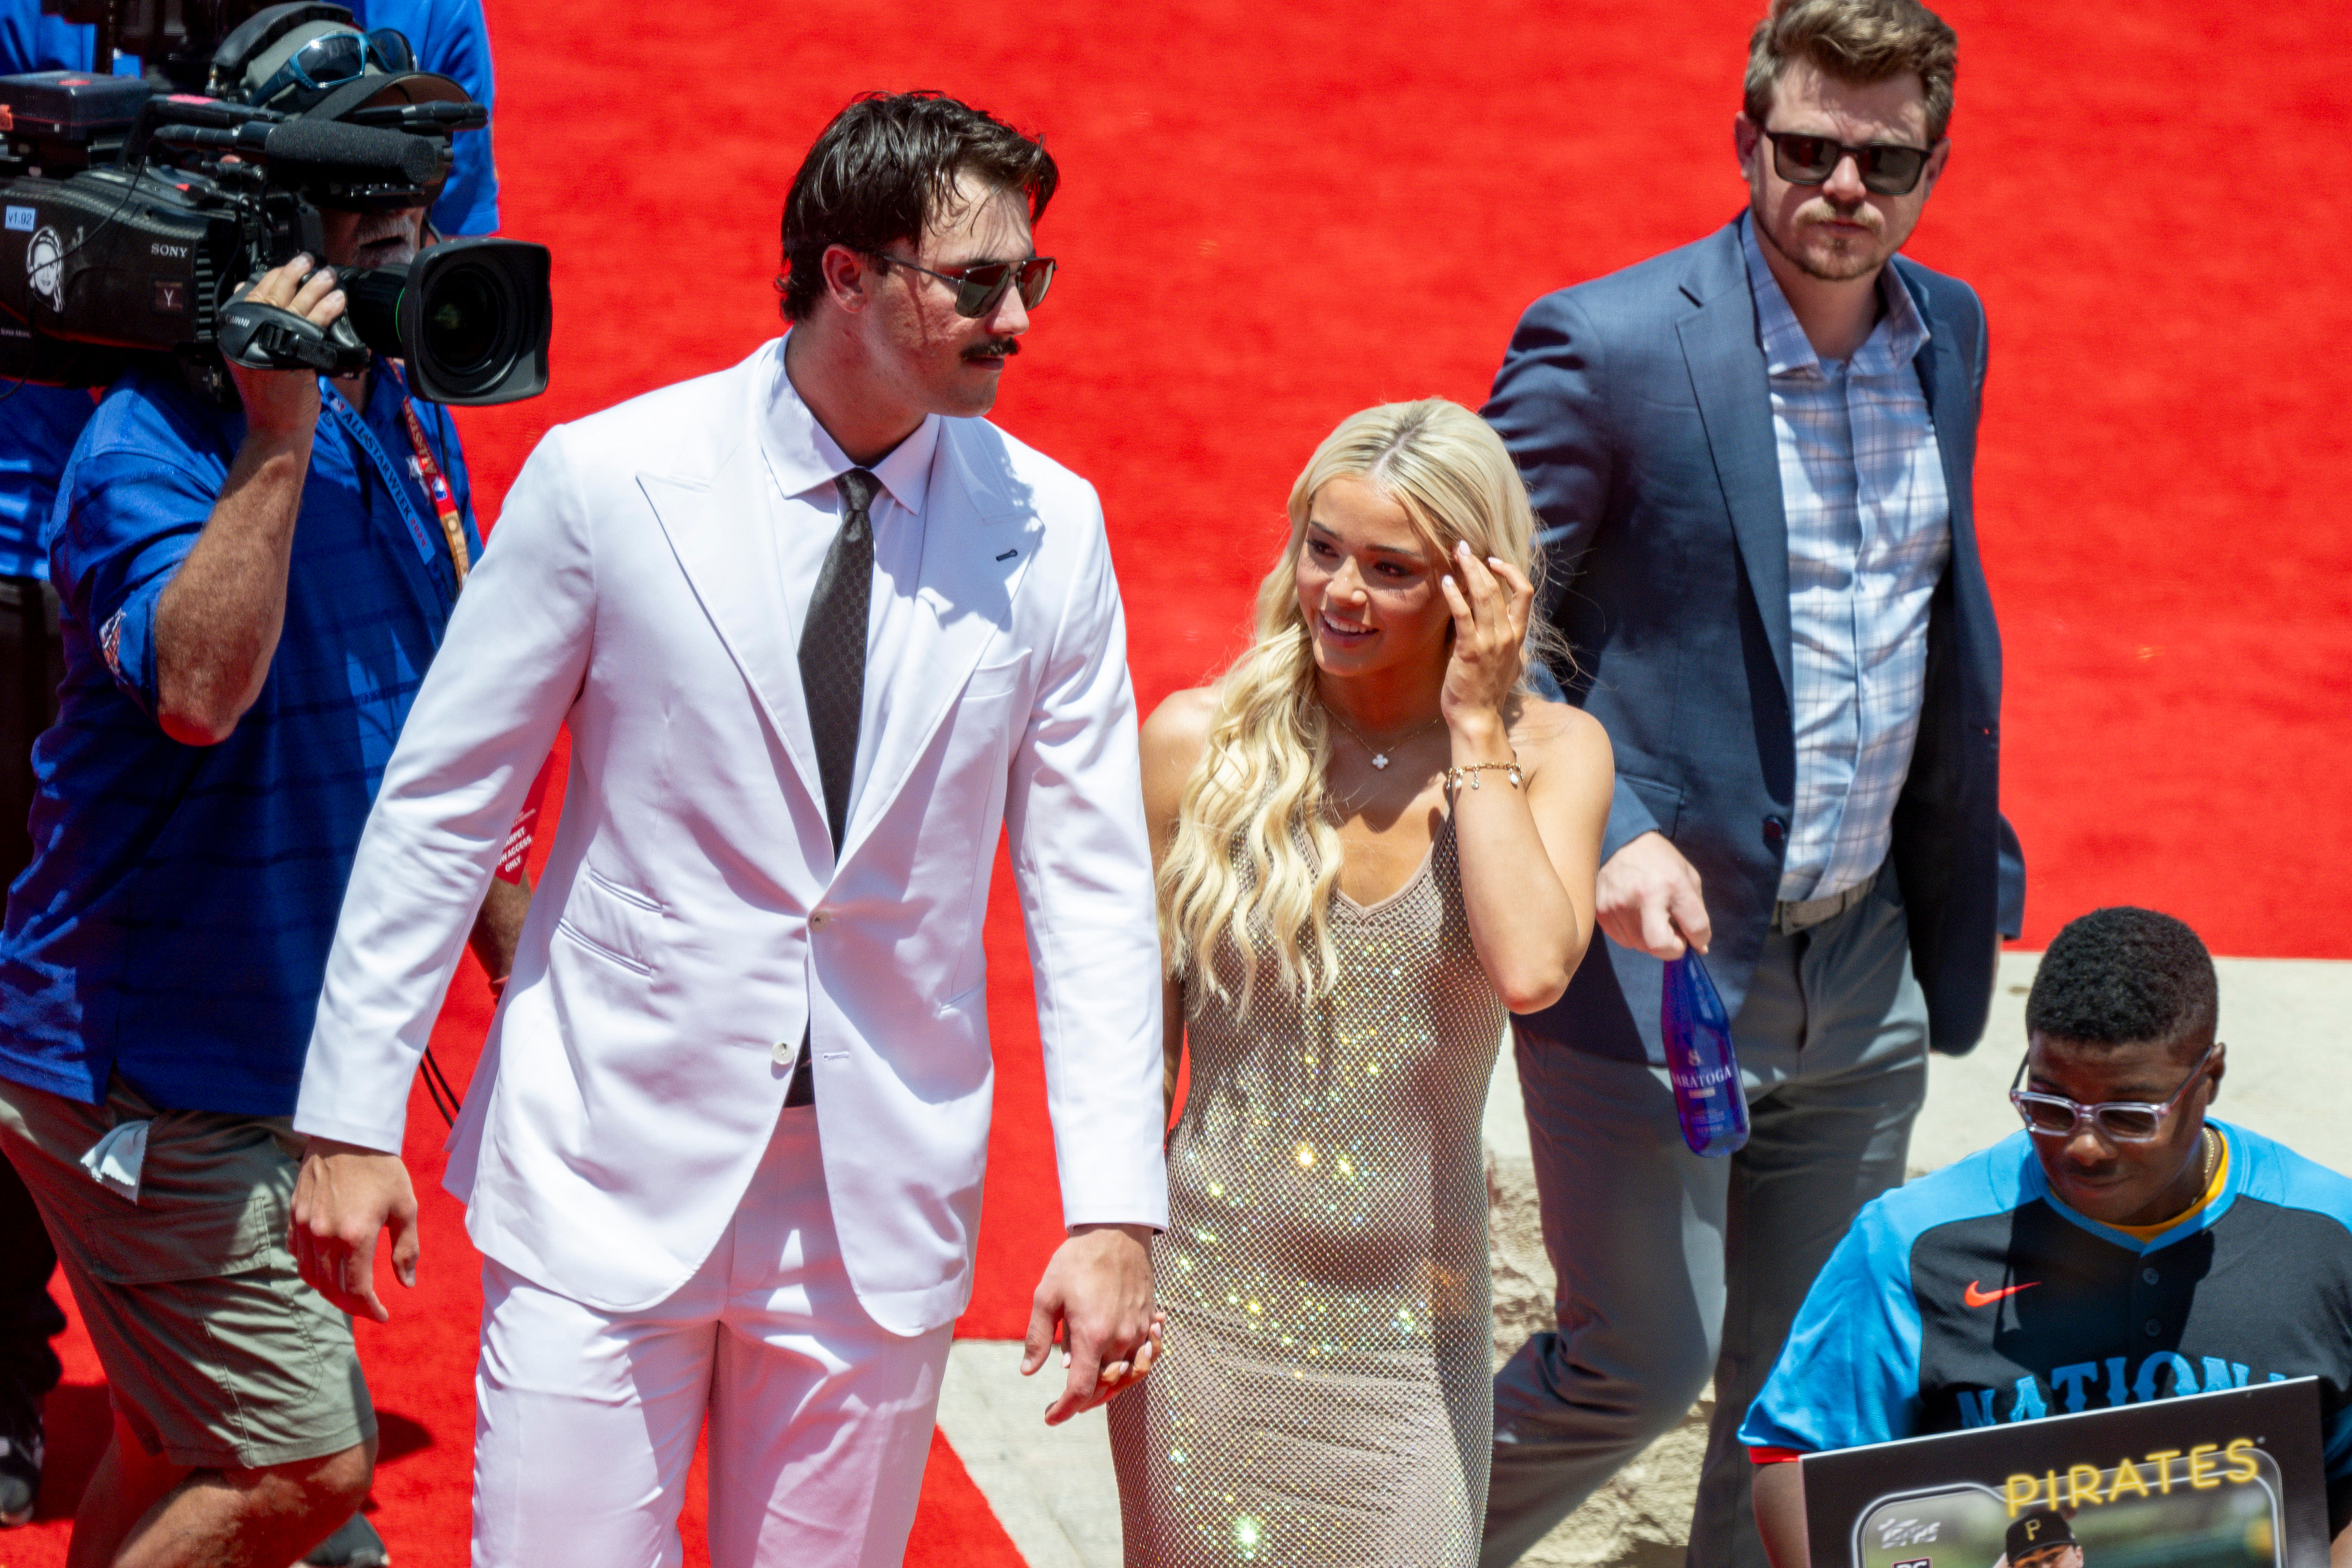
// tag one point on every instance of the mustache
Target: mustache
(993, 349)
(1861, 212)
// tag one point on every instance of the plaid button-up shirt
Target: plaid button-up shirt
(1862, 485)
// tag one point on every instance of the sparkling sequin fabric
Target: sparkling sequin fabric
(1325, 1399)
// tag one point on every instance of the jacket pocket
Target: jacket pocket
(612, 922)
(989, 682)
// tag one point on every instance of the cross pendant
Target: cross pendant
(1380, 759)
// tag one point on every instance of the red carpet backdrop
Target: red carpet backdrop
(1275, 214)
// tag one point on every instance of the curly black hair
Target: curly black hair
(884, 168)
(2125, 976)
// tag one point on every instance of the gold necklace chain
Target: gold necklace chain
(1380, 754)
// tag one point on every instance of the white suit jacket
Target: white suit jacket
(692, 919)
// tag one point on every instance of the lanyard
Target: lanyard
(452, 527)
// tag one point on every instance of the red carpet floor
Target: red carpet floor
(1275, 214)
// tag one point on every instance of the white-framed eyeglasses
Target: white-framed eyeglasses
(2118, 1121)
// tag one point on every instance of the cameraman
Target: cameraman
(249, 601)
(38, 426)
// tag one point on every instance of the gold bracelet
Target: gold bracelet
(1453, 775)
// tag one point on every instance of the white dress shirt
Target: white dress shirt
(1862, 485)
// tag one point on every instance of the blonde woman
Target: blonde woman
(1373, 841)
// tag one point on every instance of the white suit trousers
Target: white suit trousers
(820, 1419)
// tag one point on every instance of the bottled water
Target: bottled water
(1709, 1100)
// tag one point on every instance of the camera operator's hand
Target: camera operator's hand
(217, 623)
(285, 403)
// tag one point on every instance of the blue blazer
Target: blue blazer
(1639, 411)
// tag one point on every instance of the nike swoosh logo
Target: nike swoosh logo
(1982, 1298)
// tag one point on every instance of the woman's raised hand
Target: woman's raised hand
(1491, 600)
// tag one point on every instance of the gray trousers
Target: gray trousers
(1672, 1267)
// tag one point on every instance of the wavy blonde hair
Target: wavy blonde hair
(1256, 847)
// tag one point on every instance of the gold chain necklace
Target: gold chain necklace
(1380, 754)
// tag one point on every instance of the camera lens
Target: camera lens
(466, 321)
(471, 317)
(461, 322)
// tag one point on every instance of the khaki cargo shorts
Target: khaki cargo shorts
(218, 1354)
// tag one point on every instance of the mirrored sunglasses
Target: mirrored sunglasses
(981, 286)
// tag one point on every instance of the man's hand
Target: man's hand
(1648, 899)
(282, 404)
(346, 1195)
(1098, 1291)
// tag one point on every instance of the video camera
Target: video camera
(135, 208)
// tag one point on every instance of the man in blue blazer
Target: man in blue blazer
(1753, 459)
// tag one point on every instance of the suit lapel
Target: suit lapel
(1734, 403)
(977, 543)
(724, 536)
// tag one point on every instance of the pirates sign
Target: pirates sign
(2219, 1480)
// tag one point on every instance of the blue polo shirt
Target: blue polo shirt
(175, 923)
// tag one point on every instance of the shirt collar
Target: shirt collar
(1898, 339)
(804, 457)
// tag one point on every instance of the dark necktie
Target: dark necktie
(833, 679)
(833, 647)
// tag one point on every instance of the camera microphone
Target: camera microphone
(328, 149)
(304, 149)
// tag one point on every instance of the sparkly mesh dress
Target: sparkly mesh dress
(1325, 1397)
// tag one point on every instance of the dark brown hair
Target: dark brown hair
(885, 168)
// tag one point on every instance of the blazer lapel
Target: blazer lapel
(722, 531)
(977, 543)
(1734, 403)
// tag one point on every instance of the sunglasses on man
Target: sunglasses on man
(979, 287)
(2118, 1121)
(331, 60)
(1889, 168)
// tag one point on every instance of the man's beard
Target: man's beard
(1834, 267)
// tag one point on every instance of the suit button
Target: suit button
(2148, 1276)
(1776, 831)
(783, 1051)
(2152, 1328)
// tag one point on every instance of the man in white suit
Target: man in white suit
(816, 628)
